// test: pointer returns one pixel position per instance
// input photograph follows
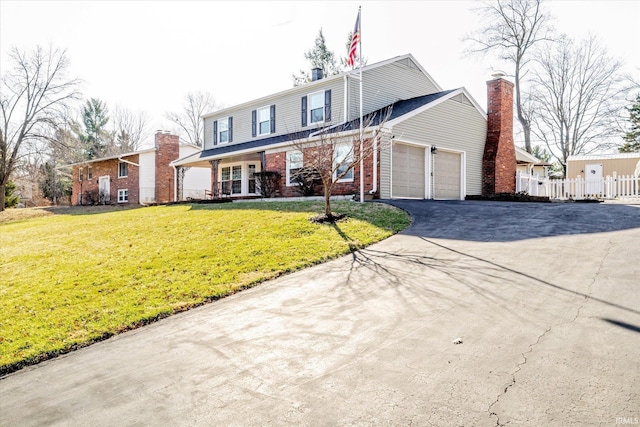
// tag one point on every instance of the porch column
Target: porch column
(182, 171)
(263, 160)
(214, 182)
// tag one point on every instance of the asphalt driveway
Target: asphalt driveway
(543, 301)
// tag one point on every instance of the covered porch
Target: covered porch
(234, 176)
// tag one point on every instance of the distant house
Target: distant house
(437, 137)
(140, 177)
(529, 164)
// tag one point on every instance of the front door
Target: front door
(104, 189)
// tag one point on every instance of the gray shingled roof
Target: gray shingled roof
(399, 108)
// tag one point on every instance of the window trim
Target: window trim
(266, 108)
(244, 176)
(219, 136)
(288, 166)
(320, 93)
(123, 195)
(126, 169)
(351, 151)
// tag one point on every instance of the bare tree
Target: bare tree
(514, 27)
(332, 154)
(33, 95)
(129, 129)
(577, 98)
(190, 118)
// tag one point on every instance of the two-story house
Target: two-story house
(140, 177)
(431, 146)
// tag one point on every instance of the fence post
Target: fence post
(518, 183)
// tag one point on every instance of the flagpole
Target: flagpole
(361, 143)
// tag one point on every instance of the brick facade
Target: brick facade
(167, 150)
(277, 162)
(499, 159)
(89, 187)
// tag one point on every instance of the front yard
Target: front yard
(79, 276)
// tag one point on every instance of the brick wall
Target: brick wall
(499, 159)
(167, 150)
(106, 168)
(277, 162)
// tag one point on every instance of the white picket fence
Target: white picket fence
(610, 187)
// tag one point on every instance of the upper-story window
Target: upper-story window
(123, 170)
(80, 174)
(223, 130)
(316, 107)
(263, 121)
(89, 173)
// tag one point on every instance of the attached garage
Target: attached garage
(447, 175)
(408, 176)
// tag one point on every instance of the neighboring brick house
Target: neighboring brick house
(431, 146)
(141, 177)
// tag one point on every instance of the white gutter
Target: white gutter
(127, 161)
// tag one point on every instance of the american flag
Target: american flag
(355, 39)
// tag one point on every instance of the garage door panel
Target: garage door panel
(408, 171)
(446, 175)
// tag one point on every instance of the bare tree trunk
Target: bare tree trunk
(524, 122)
(327, 200)
(2, 190)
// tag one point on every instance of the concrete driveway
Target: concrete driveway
(544, 297)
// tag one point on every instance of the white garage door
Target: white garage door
(446, 175)
(407, 171)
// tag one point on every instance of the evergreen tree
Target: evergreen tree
(94, 136)
(54, 186)
(632, 137)
(319, 57)
(10, 199)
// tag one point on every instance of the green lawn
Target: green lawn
(82, 275)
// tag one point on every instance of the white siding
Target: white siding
(196, 180)
(288, 112)
(147, 177)
(387, 84)
(454, 125)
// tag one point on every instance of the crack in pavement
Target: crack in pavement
(585, 298)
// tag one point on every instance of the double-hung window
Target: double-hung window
(294, 164)
(264, 121)
(223, 130)
(342, 160)
(316, 107)
(123, 169)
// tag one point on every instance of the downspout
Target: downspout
(375, 166)
(346, 98)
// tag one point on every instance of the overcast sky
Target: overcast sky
(146, 55)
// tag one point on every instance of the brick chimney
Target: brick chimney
(499, 159)
(167, 150)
